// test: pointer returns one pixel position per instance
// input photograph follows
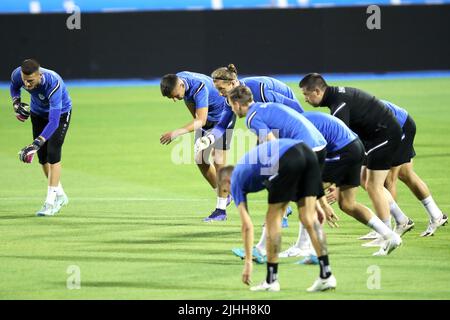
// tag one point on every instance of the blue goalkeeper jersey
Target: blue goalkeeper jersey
(50, 94)
(256, 166)
(264, 89)
(263, 118)
(399, 113)
(200, 90)
(333, 129)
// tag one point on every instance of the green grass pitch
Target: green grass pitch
(134, 222)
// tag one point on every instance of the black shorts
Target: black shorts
(298, 176)
(381, 148)
(321, 156)
(50, 152)
(343, 167)
(406, 150)
(224, 142)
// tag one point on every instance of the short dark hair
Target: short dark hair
(168, 83)
(241, 94)
(224, 172)
(29, 66)
(313, 81)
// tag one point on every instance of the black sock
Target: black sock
(272, 272)
(325, 270)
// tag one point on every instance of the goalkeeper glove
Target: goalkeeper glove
(21, 109)
(26, 154)
(203, 143)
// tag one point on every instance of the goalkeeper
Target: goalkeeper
(50, 112)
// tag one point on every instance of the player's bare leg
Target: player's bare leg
(348, 204)
(391, 181)
(308, 216)
(423, 194)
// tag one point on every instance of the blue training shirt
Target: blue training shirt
(200, 90)
(400, 114)
(333, 129)
(49, 99)
(256, 166)
(264, 89)
(262, 118)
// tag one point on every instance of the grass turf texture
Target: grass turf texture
(133, 225)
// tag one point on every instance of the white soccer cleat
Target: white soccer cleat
(374, 243)
(47, 210)
(433, 225)
(372, 235)
(323, 284)
(295, 251)
(61, 201)
(264, 286)
(390, 245)
(401, 229)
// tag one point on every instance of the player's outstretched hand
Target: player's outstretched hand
(247, 273)
(331, 217)
(27, 154)
(166, 138)
(330, 193)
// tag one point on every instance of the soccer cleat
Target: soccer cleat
(374, 243)
(295, 251)
(401, 229)
(372, 235)
(259, 256)
(264, 286)
(229, 199)
(216, 215)
(323, 284)
(47, 210)
(239, 252)
(61, 201)
(390, 245)
(433, 225)
(284, 222)
(311, 260)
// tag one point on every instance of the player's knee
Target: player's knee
(346, 205)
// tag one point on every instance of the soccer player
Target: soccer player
(403, 170)
(206, 105)
(376, 127)
(50, 111)
(264, 89)
(289, 170)
(267, 121)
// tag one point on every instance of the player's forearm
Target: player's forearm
(53, 123)
(189, 127)
(247, 231)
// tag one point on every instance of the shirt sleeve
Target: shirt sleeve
(201, 97)
(225, 119)
(237, 191)
(257, 125)
(273, 96)
(342, 111)
(55, 99)
(15, 86)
